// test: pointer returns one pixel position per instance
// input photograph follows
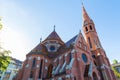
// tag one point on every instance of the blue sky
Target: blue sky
(26, 21)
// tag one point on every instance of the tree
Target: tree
(4, 59)
(115, 61)
(4, 56)
(116, 72)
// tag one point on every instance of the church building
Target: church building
(80, 58)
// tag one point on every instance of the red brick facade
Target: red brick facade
(81, 58)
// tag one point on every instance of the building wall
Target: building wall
(12, 69)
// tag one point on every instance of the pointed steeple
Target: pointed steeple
(85, 16)
(89, 29)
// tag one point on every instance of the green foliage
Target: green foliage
(115, 61)
(4, 59)
(4, 55)
(116, 72)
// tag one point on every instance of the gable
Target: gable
(80, 42)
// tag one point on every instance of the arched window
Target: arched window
(84, 57)
(34, 62)
(86, 29)
(89, 40)
(40, 70)
(90, 27)
(50, 71)
(94, 76)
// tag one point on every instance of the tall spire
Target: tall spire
(84, 14)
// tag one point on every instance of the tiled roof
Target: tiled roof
(41, 48)
(68, 43)
(53, 36)
(38, 47)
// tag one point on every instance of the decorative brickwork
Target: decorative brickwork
(81, 58)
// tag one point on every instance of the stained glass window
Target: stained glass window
(52, 48)
(84, 57)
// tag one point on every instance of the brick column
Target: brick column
(27, 70)
(37, 68)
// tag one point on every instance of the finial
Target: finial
(82, 2)
(80, 31)
(54, 27)
(40, 39)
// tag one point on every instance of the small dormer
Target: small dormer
(52, 46)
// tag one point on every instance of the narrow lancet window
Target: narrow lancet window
(40, 70)
(50, 71)
(90, 27)
(90, 44)
(86, 29)
(34, 62)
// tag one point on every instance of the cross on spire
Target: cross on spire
(54, 27)
(40, 39)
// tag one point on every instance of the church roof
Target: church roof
(71, 41)
(39, 49)
(54, 36)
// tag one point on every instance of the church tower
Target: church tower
(76, 59)
(91, 36)
(94, 44)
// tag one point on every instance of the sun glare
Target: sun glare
(13, 41)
